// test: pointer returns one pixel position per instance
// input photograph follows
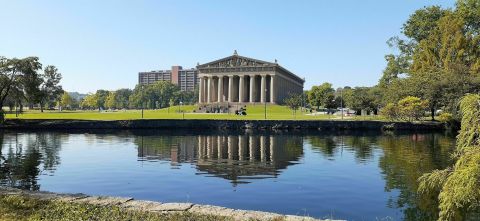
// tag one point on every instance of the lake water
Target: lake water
(354, 176)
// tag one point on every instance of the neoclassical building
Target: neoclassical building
(239, 79)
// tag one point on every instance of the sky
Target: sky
(104, 44)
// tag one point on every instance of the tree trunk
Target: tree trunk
(432, 111)
(41, 107)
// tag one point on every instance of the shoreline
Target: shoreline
(327, 125)
(130, 204)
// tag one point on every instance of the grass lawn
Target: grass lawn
(24, 208)
(254, 112)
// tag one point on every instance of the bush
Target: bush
(412, 108)
(390, 111)
(445, 117)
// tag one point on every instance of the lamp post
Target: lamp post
(333, 113)
(16, 109)
(183, 111)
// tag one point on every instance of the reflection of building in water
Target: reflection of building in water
(234, 157)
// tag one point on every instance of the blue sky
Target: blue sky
(104, 44)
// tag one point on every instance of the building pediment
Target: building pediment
(236, 61)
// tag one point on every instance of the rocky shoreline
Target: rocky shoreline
(155, 207)
(222, 124)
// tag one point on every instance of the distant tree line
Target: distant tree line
(161, 94)
(24, 83)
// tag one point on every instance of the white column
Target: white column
(219, 147)
(209, 89)
(252, 88)
(220, 89)
(251, 146)
(200, 91)
(230, 88)
(262, 89)
(272, 148)
(230, 147)
(242, 144)
(209, 146)
(272, 89)
(241, 87)
(214, 90)
(262, 148)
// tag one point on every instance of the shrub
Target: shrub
(412, 108)
(390, 111)
(445, 117)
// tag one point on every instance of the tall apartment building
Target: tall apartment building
(186, 79)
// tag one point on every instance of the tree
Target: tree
(361, 98)
(157, 95)
(90, 101)
(17, 73)
(469, 10)
(294, 101)
(458, 187)
(50, 89)
(390, 111)
(422, 22)
(66, 100)
(321, 95)
(442, 46)
(412, 108)
(101, 97)
(110, 102)
(122, 98)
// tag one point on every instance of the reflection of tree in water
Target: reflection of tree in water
(329, 145)
(238, 158)
(405, 158)
(24, 156)
(326, 145)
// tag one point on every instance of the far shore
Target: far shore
(327, 125)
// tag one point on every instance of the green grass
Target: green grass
(254, 112)
(13, 207)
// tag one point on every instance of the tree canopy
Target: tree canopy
(22, 82)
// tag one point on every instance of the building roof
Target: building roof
(236, 60)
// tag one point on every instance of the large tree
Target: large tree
(20, 75)
(421, 23)
(101, 97)
(442, 46)
(50, 88)
(121, 97)
(157, 95)
(361, 98)
(321, 95)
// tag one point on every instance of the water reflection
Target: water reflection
(23, 157)
(403, 160)
(360, 176)
(238, 158)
